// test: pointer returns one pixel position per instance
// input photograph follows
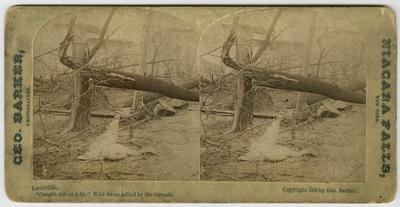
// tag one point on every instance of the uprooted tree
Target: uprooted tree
(250, 74)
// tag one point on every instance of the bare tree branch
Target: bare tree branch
(101, 36)
(267, 39)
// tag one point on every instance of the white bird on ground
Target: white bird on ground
(266, 147)
(106, 147)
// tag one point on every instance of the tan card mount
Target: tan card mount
(200, 104)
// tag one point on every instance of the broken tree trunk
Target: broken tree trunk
(243, 105)
(243, 116)
(81, 56)
(80, 108)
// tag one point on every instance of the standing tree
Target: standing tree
(81, 56)
(243, 114)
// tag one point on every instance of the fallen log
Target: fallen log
(231, 113)
(68, 112)
(304, 84)
(149, 96)
(312, 98)
(142, 83)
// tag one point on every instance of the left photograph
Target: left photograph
(115, 97)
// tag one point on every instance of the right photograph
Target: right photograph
(282, 96)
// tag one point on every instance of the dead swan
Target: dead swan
(106, 147)
(266, 147)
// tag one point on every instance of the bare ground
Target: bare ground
(337, 147)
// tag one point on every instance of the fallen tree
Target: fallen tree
(299, 83)
(286, 81)
(151, 96)
(312, 98)
(125, 80)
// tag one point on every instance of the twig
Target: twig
(45, 53)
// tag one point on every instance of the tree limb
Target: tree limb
(126, 80)
(101, 36)
(267, 39)
(286, 81)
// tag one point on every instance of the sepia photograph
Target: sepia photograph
(115, 97)
(283, 97)
(200, 104)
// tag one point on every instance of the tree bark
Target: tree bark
(80, 108)
(187, 85)
(151, 96)
(304, 84)
(137, 82)
(243, 116)
(311, 98)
